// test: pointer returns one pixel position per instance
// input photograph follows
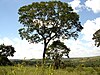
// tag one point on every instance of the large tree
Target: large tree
(5, 52)
(46, 21)
(96, 38)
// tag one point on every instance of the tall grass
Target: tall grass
(31, 70)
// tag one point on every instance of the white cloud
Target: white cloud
(89, 28)
(76, 5)
(23, 48)
(94, 5)
(81, 49)
(85, 47)
(7, 41)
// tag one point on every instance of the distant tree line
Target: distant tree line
(72, 62)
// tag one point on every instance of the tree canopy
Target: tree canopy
(6, 51)
(46, 21)
(57, 50)
(96, 38)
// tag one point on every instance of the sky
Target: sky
(88, 10)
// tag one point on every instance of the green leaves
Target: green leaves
(53, 13)
(46, 21)
(6, 50)
(96, 38)
(57, 47)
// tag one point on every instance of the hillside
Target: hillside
(84, 59)
(71, 62)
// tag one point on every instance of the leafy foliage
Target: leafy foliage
(6, 51)
(5, 61)
(96, 38)
(46, 21)
(56, 51)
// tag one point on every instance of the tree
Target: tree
(46, 21)
(96, 38)
(56, 51)
(6, 51)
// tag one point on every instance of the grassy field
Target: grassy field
(29, 70)
(75, 66)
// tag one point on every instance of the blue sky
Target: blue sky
(89, 11)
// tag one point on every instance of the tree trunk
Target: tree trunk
(44, 55)
(44, 52)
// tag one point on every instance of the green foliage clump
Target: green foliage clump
(56, 51)
(6, 51)
(96, 38)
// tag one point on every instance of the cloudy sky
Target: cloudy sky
(89, 11)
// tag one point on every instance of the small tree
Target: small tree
(6, 51)
(46, 21)
(56, 51)
(96, 38)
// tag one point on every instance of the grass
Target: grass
(31, 70)
(80, 66)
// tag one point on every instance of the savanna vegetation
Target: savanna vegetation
(48, 23)
(20, 70)
(74, 66)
